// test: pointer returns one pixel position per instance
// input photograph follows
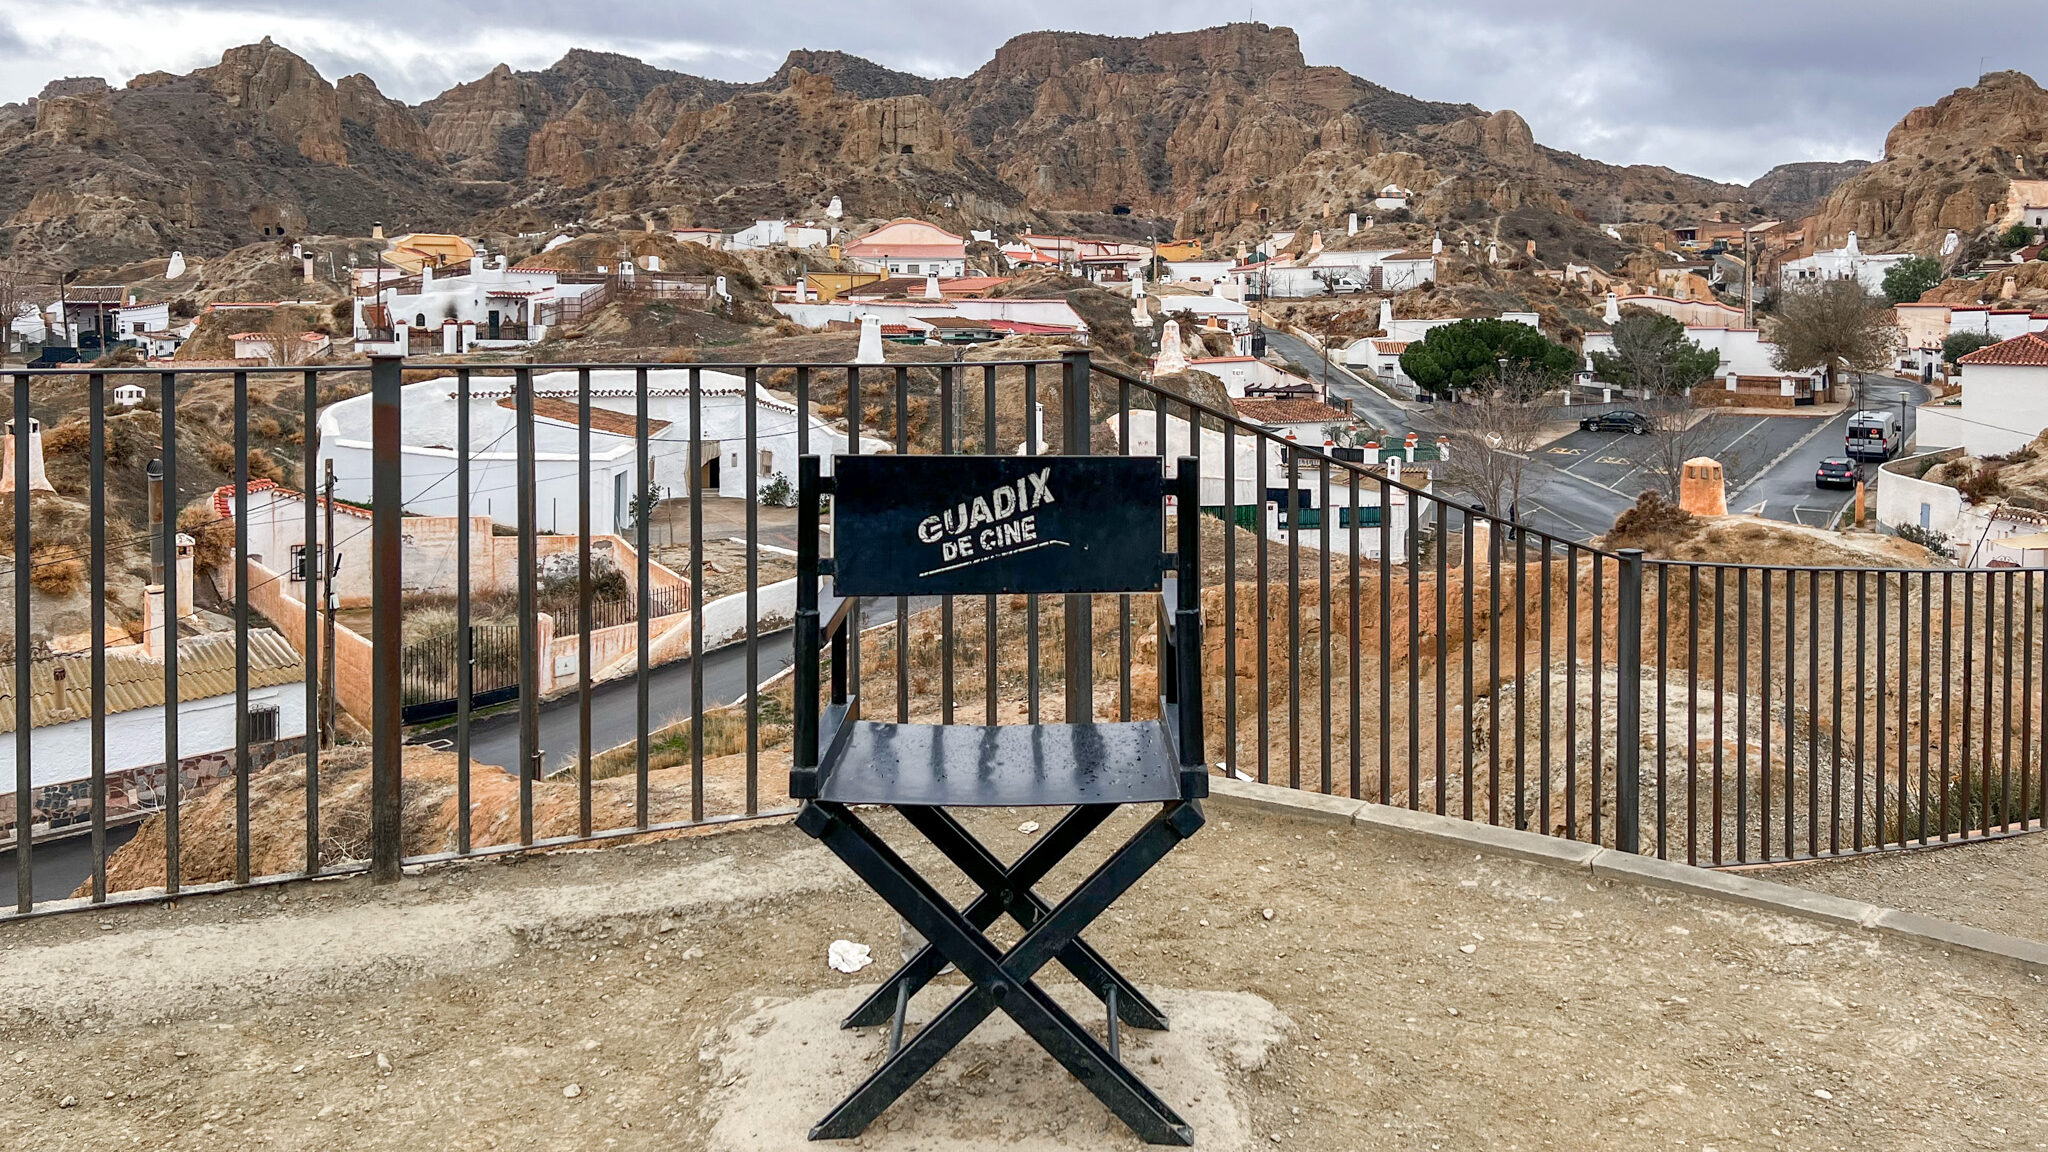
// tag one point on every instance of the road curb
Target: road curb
(1644, 871)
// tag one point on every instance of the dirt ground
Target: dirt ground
(612, 999)
(1995, 885)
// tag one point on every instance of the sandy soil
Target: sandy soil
(1995, 885)
(598, 1000)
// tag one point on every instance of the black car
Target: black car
(1835, 472)
(1620, 420)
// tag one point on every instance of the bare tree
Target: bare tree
(1833, 325)
(1494, 434)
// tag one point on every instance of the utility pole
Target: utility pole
(333, 565)
(1749, 243)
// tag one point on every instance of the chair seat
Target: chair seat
(987, 766)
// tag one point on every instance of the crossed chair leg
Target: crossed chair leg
(1005, 980)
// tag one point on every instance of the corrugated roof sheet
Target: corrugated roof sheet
(206, 668)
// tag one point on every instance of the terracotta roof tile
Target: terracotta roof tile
(601, 419)
(1289, 411)
(2030, 350)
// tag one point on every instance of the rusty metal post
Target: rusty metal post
(386, 589)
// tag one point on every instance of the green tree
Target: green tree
(1651, 354)
(1910, 278)
(1961, 344)
(1832, 325)
(1469, 355)
(2017, 236)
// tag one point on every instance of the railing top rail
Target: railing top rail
(413, 362)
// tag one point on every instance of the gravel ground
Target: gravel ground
(1420, 999)
(1995, 885)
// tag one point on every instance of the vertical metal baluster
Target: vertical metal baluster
(1571, 693)
(1692, 708)
(96, 451)
(697, 653)
(1948, 662)
(1521, 676)
(859, 611)
(24, 655)
(1926, 730)
(1323, 606)
(168, 550)
(1265, 603)
(1791, 780)
(1077, 613)
(1543, 712)
(1835, 729)
(1385, 588)
(752, 461)
(1293, 616)
(584, 623)
(1443, 656)
(530, 752)
(1862, 592)
(1230, 756)
(1720, 703)
(2026, 656)
(643, 640)
(1763, 799)
(988, 603)
(1596, 670)
(1812, 712)
(1031, 658)
(1465, 657)
(317, 554)
(387, 604)
(1357, 722)
(946, 448)
(1741, 721)
(1878, 760)
(1414, 652)
(242, 759)
(1493, 671)
(465, 641)
(2004, 653)
(902, 602)
(1123, 601)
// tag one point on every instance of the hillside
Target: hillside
(1227, 130)
(1957, 163)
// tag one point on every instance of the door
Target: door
(494, 323)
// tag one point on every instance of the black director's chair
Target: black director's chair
(979, 525)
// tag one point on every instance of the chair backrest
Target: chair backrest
(913, 526)
(973, 525)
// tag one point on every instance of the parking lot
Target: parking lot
(1765, 458)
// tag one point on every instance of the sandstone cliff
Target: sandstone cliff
(1949, 165)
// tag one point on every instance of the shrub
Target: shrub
(1936, 543)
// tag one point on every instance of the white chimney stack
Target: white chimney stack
(931, 287)
(870, 351)
(37, 480)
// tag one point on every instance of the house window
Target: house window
(910, 269)
(767, 462)
(263, 724)
(299, 570)
(419, 320)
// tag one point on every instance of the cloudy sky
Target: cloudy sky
(1724, 91)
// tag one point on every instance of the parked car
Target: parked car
(1619, 420)
(1835, 472)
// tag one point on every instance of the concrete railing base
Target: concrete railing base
(1648, 871)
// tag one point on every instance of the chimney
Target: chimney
(870, 351)
(37, 480)
(307, 267)
(1702, 489)
(185, 549)
(377, 230)
(1351, 224)
(931, 287)
(60, 700)
(1315, 241)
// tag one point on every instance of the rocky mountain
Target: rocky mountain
(1958, 163)
(1222, 132)
(1800, 187)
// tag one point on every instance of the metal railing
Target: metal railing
(1405, 649)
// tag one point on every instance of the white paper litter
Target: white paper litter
(1028, 827)
(846, 956)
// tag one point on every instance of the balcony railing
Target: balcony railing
(1405, 649)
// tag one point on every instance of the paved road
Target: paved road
(1366, 401)
(615, 706)
(1783, 488)
(60, 865)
